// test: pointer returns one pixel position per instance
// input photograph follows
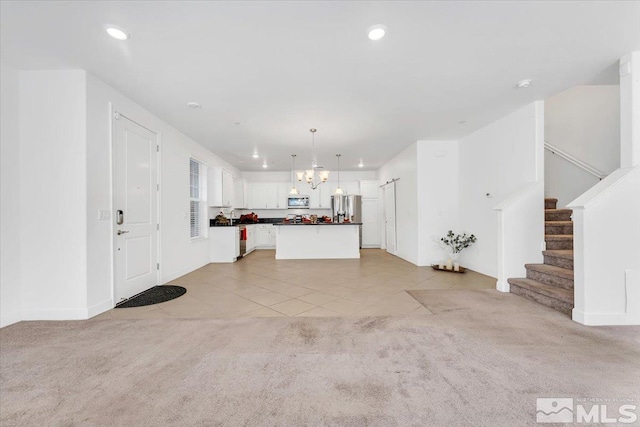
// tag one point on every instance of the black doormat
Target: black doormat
(155, 295)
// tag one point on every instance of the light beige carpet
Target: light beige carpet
(482, 359)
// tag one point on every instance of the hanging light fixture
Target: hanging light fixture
(310, 174)
(294, 190)
(339, 189)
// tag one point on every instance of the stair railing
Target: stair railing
(568, 157)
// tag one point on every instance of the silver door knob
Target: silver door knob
(119, 232)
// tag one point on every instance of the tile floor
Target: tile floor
(260, 286)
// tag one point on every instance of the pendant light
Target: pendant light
(294, 190)
(309, 175)
(339, 189)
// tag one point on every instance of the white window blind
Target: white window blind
(198, 198)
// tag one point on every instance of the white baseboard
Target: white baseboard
(10, 319)
(503, 286)
(99, 308)
(74, 314)
(603, 319)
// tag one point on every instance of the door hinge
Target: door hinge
(116, 115)
(158, 227)
(157, 148)
(158, 266)
(157, 187)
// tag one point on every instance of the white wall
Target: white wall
(606, 251)
(630, 110)
(404, 167)
(498, 159)
(9, 196)
(53, 194)
(178, 254)
(56, 254)
(583, 121)
(437, 192)
(564, 180)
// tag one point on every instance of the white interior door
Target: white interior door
(390, 217)
(135, 208)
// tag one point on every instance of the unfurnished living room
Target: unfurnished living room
(322, 213)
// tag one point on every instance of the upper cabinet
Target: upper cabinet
(268, 195)
(320, 198)
(348, 187)
(242, 194)
(220, 187)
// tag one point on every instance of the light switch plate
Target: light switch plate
(103, 215)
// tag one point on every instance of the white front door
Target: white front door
(135, 196)
(390, 217)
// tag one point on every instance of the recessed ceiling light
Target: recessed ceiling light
(264, 165)
(255, 155)
(377, 32)
(522, 84)
(360, 165)
(193, 105)
(117, 33)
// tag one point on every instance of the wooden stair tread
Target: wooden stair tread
(559, 210)
(558, 222)
(561, 294)
(550, 199)
(551, 270)
(559, 253)
(558, 237)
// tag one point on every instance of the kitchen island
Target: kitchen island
(317, 241)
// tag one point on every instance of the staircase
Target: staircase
(551, 283)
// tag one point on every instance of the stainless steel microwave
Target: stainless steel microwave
(298, 202)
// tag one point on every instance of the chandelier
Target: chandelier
(309, 175)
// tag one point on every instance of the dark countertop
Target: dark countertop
(236, 222)
(320, 223)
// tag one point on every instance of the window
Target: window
(198, 198)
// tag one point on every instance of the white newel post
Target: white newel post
(520, 232)
(630, 110)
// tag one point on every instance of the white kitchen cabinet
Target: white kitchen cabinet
(265, 236)
(251, 237)
(241, 194)
(348, 187)
(268, 195)
(220, 189)
(370, 224)
(369, 189)
(258, 197)
(224, 244)
(320, 198)
(228, 189)
(283, 189)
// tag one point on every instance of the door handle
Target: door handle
(119, 232)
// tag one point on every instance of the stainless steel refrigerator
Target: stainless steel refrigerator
(347, 206)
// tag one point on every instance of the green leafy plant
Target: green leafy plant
(457, 242)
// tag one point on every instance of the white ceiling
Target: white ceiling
(280, 68)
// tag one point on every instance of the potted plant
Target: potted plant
(454, 244)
